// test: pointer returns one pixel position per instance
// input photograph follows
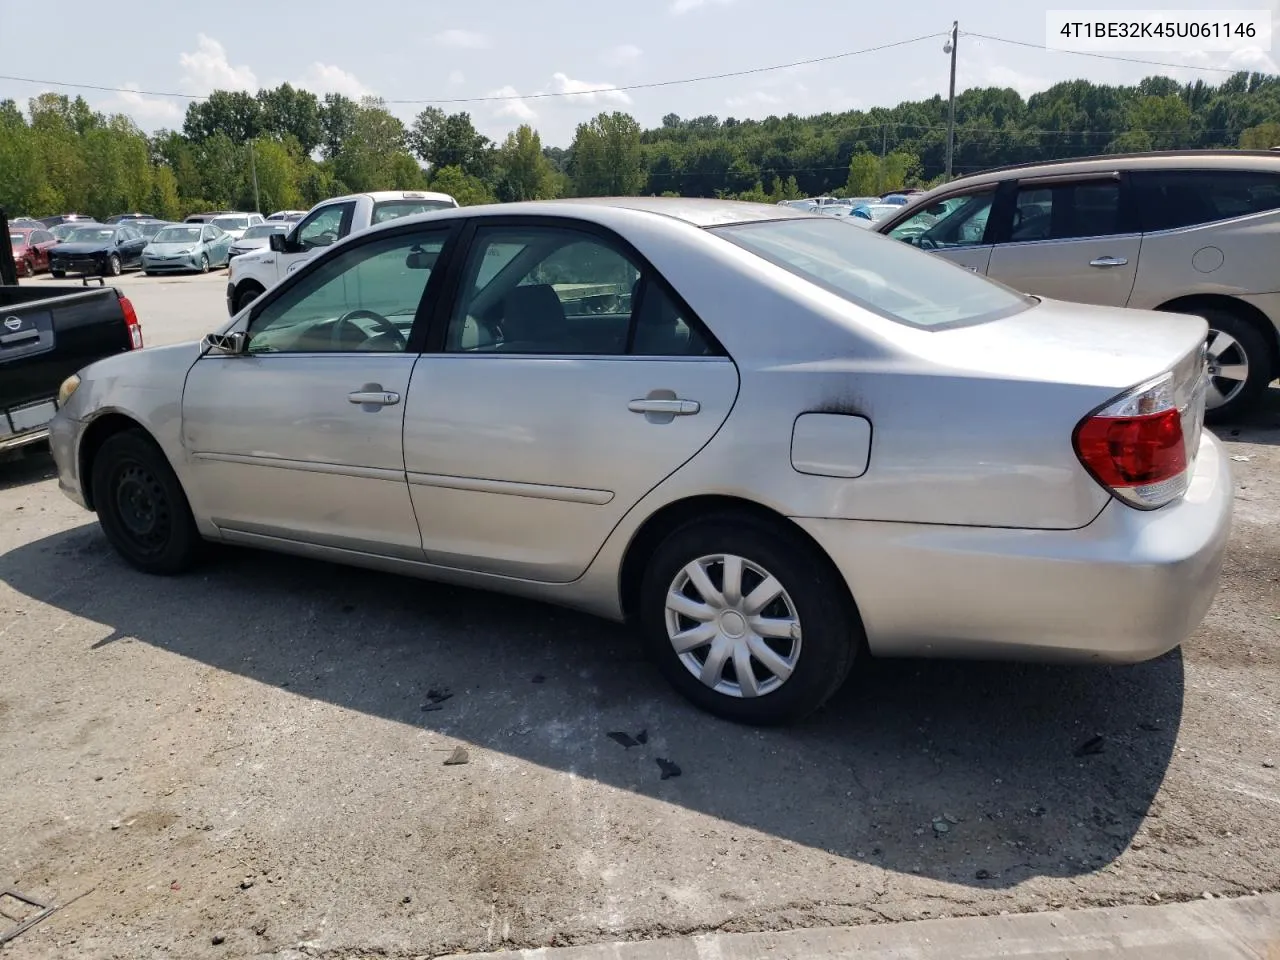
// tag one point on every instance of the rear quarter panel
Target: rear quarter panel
(1231, 257)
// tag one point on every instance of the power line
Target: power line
(532, 96)
(1106, 56)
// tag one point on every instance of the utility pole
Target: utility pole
(253, 167)
(950, 47)
(884, 147)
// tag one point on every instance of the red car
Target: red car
(31, 249)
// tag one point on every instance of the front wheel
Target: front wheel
(204, 263)
(113, 266)
(1240, 365)
(246, 297)
(28, 269)
(142, 507)
(57, 274)
(748, 620)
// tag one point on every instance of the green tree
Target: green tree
(289, 112)
(864, 175)
(338, 116)
(367, 158)
(164, 201)
(607, 159)
(1262, 137)
(278, 173)
(524, 173)
(460, 185)
(451, 140)
(232, 113)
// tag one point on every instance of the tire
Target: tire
(246, 296)
(141, 505)
(57, 274)
(1247, 346)
(813, 593)
(113, 266)
(147, 273)
(204, 263)
(28, 269)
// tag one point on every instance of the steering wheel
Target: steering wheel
(383, 324)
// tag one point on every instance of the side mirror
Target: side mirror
(229, 344)
(277, 242)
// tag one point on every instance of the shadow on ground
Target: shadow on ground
(1262, 425)
(26, 465)
(1049, 769)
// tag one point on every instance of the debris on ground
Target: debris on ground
(1090, 747)
(668, 769)
(458, 757)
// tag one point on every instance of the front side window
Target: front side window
(208, 234)
(1182, 198)
(545, 290)
(363, 300)
(868, 270)
(1066, 211)
(954, 222)
(324, 227)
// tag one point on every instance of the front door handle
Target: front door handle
(676, 408)
(374, 396)
(1109, 262)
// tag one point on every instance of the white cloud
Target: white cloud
(321, 78)
(753, 99)
(147, 112)
(599, 92)
(207, 68)
(679, 7)
(623, 54)
(456, 78)
(513, 106)
(999, 75)
(463, 39)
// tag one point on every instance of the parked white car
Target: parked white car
(325, 224)
(237, 223)
(258, 236)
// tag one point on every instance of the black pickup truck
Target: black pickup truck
(47, 333)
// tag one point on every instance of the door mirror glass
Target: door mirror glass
(277, 242)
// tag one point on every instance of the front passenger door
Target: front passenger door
(321, 228)
(300, 438)
(958, 228)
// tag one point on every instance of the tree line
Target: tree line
(298, 148)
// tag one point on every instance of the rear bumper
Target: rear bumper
(1130, 586)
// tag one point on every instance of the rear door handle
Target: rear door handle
(677, 408)
(1109, 262)
(374, 398)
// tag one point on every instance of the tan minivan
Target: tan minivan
(1192, 231)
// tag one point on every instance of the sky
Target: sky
(506, 50)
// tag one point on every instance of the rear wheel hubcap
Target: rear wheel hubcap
(733, 625)
(1228, 368)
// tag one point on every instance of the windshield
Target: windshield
(178, 235)
(230, 223)
(148, 229)
(91, 234)
(876, 273)
(393, 209)
(264, 230)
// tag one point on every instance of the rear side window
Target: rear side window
(394, 209)
(1067, 211)
(1183, 198)
(879, 274)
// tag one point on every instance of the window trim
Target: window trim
(968, 190)
(438, 325)
(428, 305)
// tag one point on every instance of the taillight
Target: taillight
(131, 323)
(1136, 446)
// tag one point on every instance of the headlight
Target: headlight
(69, 386)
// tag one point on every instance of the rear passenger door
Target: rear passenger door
(564, 381)
(1070, 239)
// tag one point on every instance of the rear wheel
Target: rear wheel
(747, 620)
(57, 274)
(142, 507)
(1240, 365)
(113, 266)
(204, 263)
(28, 268)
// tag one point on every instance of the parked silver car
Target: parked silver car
(258, 236)
(773, 442)
(183, 247)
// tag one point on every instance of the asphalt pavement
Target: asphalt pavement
(250, 760)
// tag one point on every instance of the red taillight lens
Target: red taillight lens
(1136, 446)
(1133, 451)
(131, 323)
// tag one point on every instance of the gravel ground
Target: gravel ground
(255, 754)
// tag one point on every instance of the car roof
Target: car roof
(1151, 160)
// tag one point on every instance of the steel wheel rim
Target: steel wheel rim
(142, 507)
(1228, 368)
(733, 625)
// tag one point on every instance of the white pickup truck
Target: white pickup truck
(250, 274)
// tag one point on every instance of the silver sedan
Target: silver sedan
(773, 443)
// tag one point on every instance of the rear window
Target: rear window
(1182, 198)
(394, 209)
(885, 276)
